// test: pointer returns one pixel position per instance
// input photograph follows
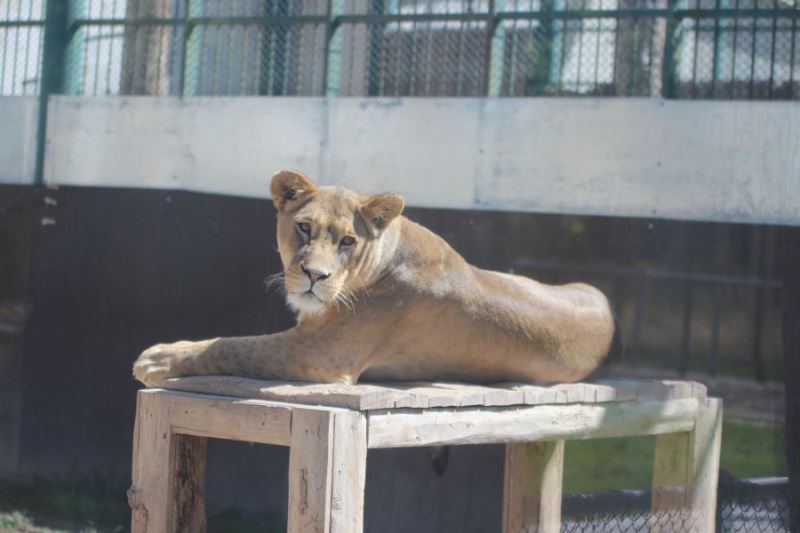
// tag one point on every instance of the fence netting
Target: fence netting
(742, 49)
(758, 506)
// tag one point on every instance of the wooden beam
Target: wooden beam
(348, 472)
(685, 473)
(532, 487)
(327, 471)
(189, 480)
(228, 418)
(402, 428)
(310, 459)
(153, 466)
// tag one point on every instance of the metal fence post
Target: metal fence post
(55, 45)
(668, 82)
(494, 71)
(332, 53)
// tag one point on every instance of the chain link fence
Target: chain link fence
(21, 43)
(743, 506)
(742, 49)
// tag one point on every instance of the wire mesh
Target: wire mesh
(742, 507)
(740, 49)
(21, 40)
(739, 56)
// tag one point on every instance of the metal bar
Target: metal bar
(578, 68)
(694, 58)
(753, 56)
(651, 12)
(632, 55)
(715, 325)
(326, 51)
(52, 74)
(772, 58)
(791, 58)
(187, 31)
(668, 68)
(375, 60)
(491, 28)
(733, 52)
(21, 23)
(716, 56)
(440, 17)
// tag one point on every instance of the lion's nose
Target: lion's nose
(314, 274)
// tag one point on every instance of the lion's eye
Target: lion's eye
(347, 241)
(305, 227)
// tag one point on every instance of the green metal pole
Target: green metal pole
(668, 82)
(52, 76)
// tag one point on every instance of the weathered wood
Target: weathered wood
(402, 428)
(348, 472)
(327, 471)
(685, 472)
(375, 396)
(152, 466)
(705, 442)
(532, 487)
(328, 445)
(310, 461)
(188, 494)
(229, 418)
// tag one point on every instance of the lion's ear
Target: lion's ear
(290, 189)
(379, 210)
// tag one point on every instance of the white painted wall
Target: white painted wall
(703, 160)
(18, 116)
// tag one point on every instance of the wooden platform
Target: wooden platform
(330, 428)
(376, 396)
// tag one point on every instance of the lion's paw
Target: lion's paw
(155, 365)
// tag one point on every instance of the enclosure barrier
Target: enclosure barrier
(666, 48)
(329, 428)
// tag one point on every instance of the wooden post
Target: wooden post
(188, 497)
(153, 463)
(327, 471)
(168, 470)
(685, 474)
(532, 487)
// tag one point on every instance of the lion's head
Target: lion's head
(332, 241)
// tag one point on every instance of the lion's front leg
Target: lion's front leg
(289, 355)
(164, 361)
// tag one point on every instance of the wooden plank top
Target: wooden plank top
(415, 395)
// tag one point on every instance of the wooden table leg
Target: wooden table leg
(685, 473)
(532, 487)
(168, 472)
(327, 471)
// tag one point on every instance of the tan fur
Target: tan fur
(398, 304)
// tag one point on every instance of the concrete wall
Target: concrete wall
(696, 160)
(18, 117)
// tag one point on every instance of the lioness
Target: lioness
(383, 298)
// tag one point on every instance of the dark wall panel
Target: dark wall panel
(112, 271)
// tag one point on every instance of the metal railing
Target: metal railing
(664, 48)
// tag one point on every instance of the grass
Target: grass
(748, 450)
(97, 505)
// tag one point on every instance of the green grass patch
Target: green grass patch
(748, 450)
